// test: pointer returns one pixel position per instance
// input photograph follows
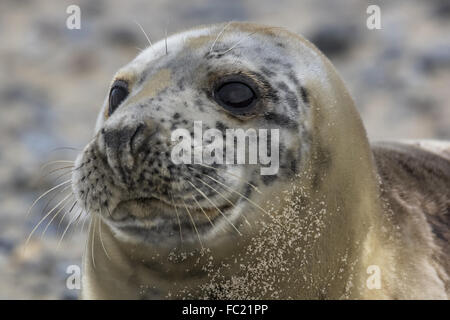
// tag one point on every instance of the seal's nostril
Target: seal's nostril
(112, 138)
(118, 138)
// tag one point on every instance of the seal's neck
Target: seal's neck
(311, 245)
(115, 269)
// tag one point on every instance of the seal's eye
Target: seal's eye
(236, 96)
(118, 93)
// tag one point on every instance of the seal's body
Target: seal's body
(336, 220)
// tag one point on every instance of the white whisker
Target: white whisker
(201, 208)
(63, 174)
(54, 216)
(232, 174)
(92, 229)
(83, 224)
(236, 44)
(53, 198)
(45, 193)
(45, 217)
(214, 205)
(237, 192)
(145, 33)
(218, 36)
(54, 162)
(75, 218)
(165, 41)
(178, 217)
(57, 169)
(223, 197)
(67, 212)
(100, 232)
(193, 223)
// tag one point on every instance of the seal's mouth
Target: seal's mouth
(154, 220)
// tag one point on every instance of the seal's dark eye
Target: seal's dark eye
(118, 93)
(235, 96)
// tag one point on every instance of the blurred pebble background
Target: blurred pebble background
(53, 81)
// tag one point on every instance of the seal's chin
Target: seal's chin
(154, 221)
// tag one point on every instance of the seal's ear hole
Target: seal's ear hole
(118, 93)
(236, 94)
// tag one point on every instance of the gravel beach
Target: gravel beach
(53, 81)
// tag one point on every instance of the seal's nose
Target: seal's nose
(121, 145)
(118, 138)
